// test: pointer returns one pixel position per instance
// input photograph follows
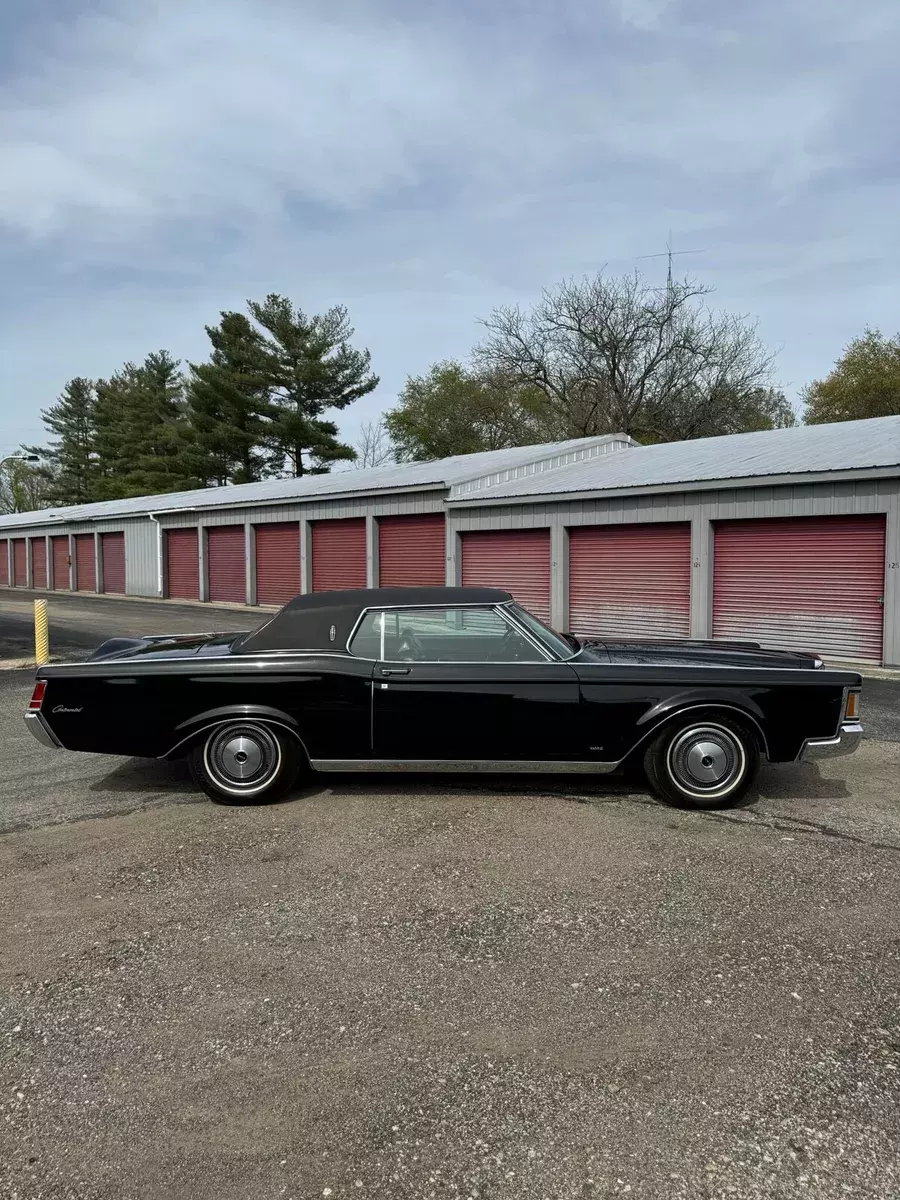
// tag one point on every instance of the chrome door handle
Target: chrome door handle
(395, 670)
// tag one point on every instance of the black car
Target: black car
(445, 679)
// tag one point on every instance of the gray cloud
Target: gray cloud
(423, 163)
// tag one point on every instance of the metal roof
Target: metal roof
(467, 470)
(804, 450)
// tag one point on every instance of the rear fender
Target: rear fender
(189, 732)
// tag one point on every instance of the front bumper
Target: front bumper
(36, 724)
(846, 742)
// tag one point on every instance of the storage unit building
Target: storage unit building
(4, 562)
(788, 537)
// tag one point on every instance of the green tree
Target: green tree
(621, 356)
(72, 456)
(227, 398)
(142, 434)
(865, 382)
(455, 410)
(311, 368)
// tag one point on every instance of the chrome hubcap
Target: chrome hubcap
(707, 760)
(242, 759)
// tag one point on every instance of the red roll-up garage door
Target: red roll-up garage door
(277, 562)
(226, 564)
(112, 556)
(38, 563)
(85, 563)
(338, 554)
(182, 564)
(517, 560)
(4, 562)
(803, 584)
(59, 551)
(412, 551)
(630, 581)
(20, 577)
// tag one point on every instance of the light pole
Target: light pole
(25, 458)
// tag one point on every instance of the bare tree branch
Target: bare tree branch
(617, 355)
(373, 447)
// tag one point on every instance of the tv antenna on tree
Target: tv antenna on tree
(669, 253)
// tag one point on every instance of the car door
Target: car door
(464, 685)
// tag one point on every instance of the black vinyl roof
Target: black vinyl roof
(325, 620)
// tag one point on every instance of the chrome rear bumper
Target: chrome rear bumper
(36, 724)
(846, 742)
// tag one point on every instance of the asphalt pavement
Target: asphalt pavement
(79, 623)
(421, 988)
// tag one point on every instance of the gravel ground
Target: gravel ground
(415, 989)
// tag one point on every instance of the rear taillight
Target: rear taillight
(37, 696)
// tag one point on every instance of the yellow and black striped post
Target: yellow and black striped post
(41, 633)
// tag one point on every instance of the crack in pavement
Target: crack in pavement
(799, 825)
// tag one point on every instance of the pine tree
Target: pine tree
(226, 398)
(311, 367)
(72, 456)
(143, 439)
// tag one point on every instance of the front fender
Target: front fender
(698, 698)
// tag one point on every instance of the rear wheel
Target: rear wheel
(703, 763)
(245, 762)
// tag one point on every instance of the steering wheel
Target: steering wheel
(512, 646)
(410, 648)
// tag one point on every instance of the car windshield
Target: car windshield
(548, 636)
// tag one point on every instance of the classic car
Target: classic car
(445, 679)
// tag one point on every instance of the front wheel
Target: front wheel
(708, 763)
(244, 762)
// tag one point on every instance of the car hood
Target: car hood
(697, 653)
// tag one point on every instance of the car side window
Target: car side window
(442, 635)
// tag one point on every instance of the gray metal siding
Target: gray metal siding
(417, 502)
(858, 496)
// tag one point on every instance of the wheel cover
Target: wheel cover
(706, 761)
(242, 760)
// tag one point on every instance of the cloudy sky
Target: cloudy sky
(422, 162)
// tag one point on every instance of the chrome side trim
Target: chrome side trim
(259, 658)
(473, 766)
(846, 742)
(37, 725)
